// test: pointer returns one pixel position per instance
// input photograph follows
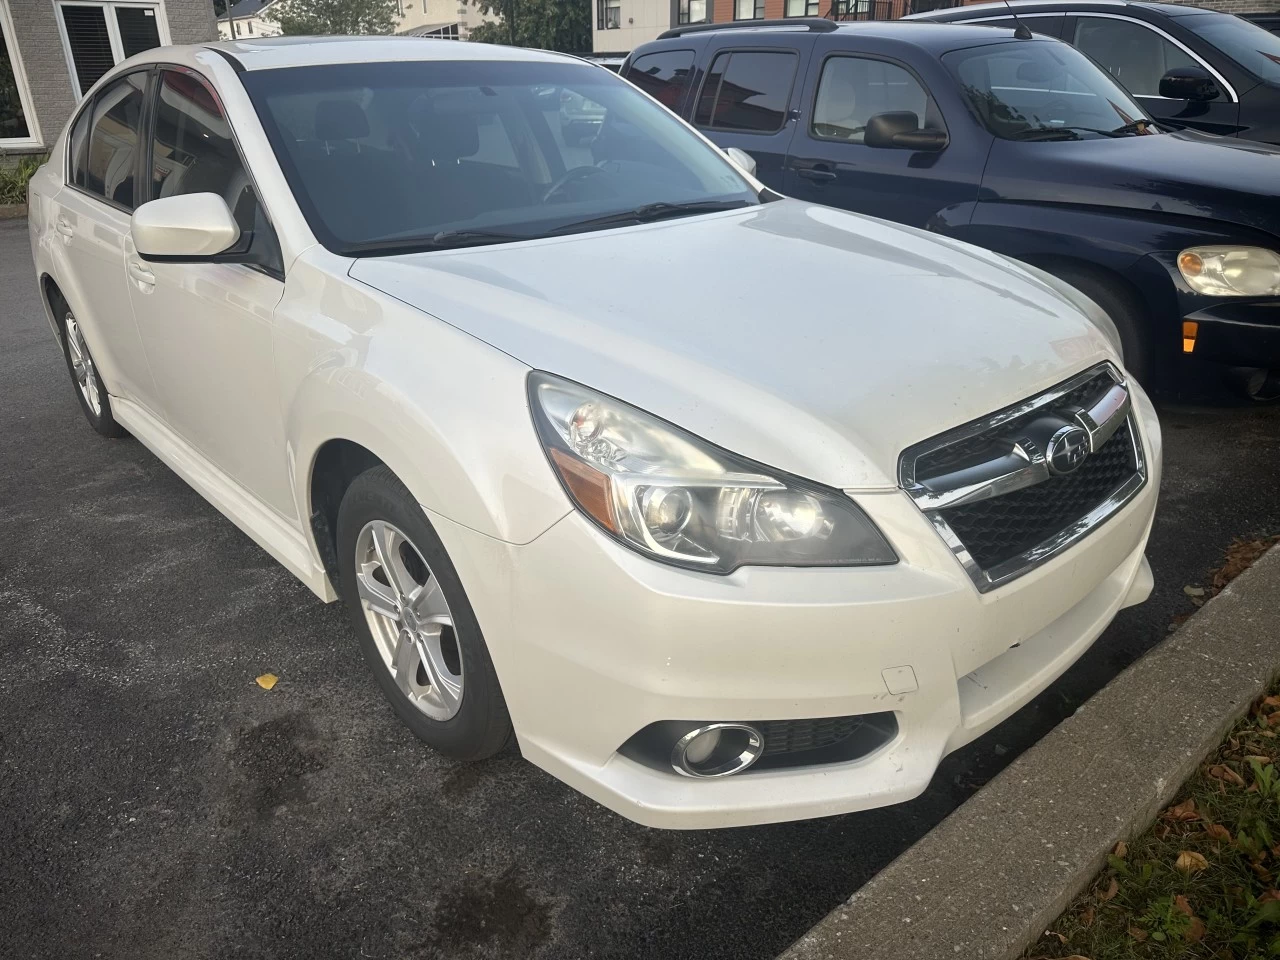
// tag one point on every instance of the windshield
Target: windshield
(1246, 43)
(1042, 90)
(386, 157)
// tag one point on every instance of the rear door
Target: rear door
(749, 96)
(830, 163)
(1138, 54)
(92, 218)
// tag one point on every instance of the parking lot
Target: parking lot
(157, 802)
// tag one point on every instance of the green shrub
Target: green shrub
(14, 178)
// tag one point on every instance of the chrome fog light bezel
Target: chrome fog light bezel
(737, 762)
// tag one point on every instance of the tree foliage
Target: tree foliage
(563, 25)
(315, 17)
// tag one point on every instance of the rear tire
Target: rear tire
(1126, 312)
(415, 625)
(90, 390)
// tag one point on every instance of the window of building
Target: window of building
(852, 90)
(237, 26)
(802, 8)
(664, 76)
(608, 14)
(97, 36)
(113, 140)
(693, 11)
(748, 9)
(1135, 55)
(17, 123)
(747, 90)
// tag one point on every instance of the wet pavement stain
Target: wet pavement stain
(276, 757)
(499, 909)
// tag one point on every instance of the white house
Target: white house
(247, 19)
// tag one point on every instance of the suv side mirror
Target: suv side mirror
(900, 130)
(190, 228)
(1188, 83)
(742, 160)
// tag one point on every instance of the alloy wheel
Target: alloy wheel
(410, 620)
(82, 367)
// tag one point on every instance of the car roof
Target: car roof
(271, 53)
(1031, 6)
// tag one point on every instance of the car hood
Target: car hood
(812, 340)
(1190, 173)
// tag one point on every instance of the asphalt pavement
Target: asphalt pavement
(155, 802)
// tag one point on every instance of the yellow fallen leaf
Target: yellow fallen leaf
(1121, 850)
(1191, 862)
(268, 680)
(1186, 810)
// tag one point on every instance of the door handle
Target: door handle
(63, 226)
(141, 273)
(818, 174)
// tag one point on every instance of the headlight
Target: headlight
(1231, 271)
(674, 497)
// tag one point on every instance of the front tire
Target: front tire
(90, 390)
(1126, 312)
(415, 625)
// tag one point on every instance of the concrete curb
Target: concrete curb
(12, 211)
(988, 880)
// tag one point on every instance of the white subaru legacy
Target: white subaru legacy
(726, 508)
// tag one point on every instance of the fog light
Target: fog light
(717, 750)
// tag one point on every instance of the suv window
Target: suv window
(1135, 55)
(113, 140)
(747, 90)
(193, 151)
(852, 90)
(664, 76)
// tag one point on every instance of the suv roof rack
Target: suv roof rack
(812, 24)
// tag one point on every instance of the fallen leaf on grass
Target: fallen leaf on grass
(1261, 760)
(1183, 905)
(1138, 933)
(268, 680)
(1271, 701)
(1112, 889)
(1121, 850)
(1195, 932)
(1269, 895)
(1262, 872)
(1186, 810)
(1086, 917)
(1191, 862)
(1218, 832)
(1220, 771)
(1062, 937)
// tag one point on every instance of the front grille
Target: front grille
(1017, 525)
(998, 530)
(796, 736)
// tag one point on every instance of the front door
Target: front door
(830, 163)
(207, 328)
(1138, 54)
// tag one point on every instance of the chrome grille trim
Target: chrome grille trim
(1105, 415)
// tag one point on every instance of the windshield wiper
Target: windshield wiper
(1134, 127)
(444, 240)
(647, 213)
(1047, 133)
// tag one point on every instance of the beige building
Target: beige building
(447, 19)
(246, 19)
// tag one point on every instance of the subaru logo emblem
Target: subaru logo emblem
(1067, 449)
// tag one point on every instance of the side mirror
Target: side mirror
(1189, 83)
(742, 159)
(191, 228)
(900, 130)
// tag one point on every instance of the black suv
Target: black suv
(1191, 67)
(1013, 142)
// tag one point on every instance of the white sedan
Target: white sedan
(726, 508)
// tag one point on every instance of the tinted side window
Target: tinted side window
(194, 152)
(664, 76)
(747, 90)
(1135, 55)
(114, 139)
(852, 90)
(1046, 26)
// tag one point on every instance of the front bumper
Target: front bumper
(1244, 333)
(592, 642)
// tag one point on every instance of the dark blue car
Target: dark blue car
(1017, 143)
